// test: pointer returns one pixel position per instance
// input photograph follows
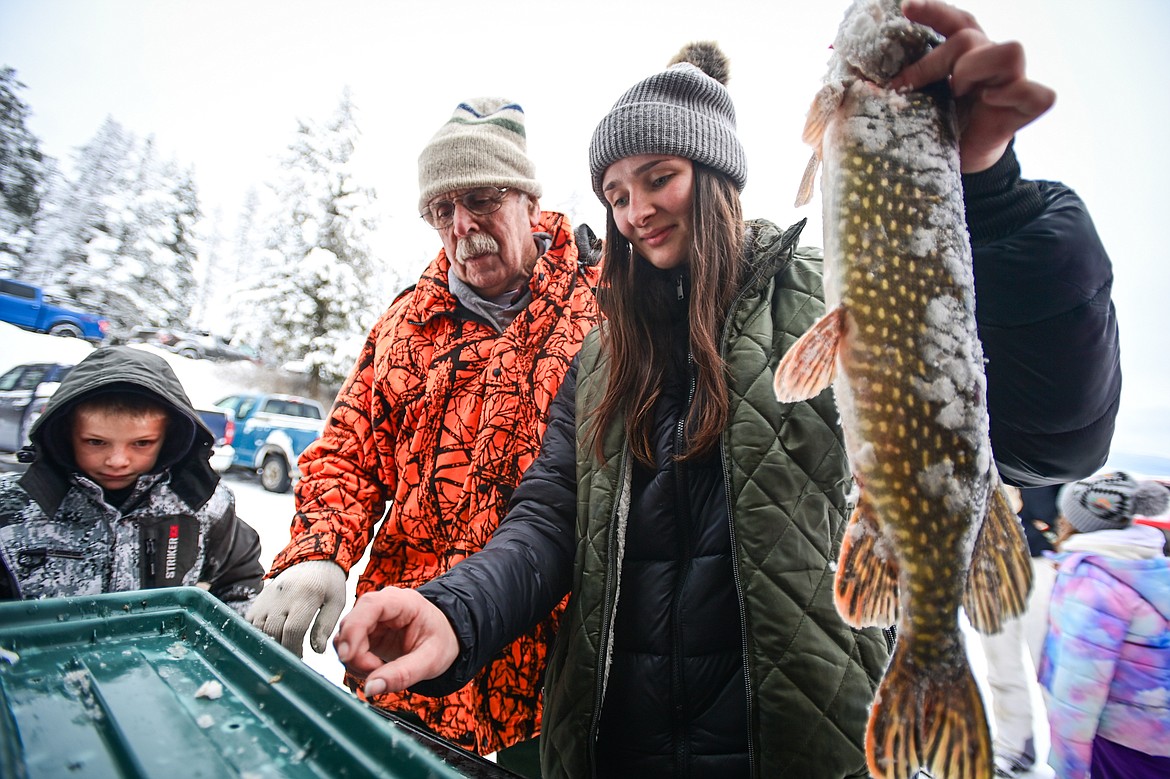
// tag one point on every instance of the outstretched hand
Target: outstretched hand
(994, 96)
(395, 638)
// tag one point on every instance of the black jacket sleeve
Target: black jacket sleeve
(232, 559)
(498, 593)
(1049, 330)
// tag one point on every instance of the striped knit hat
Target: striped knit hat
(684, 111)
(482, 145)
(1111, 501)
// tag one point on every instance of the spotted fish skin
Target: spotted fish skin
(932, 528)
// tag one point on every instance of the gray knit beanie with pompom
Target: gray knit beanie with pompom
(1111, 501)
(684, 111)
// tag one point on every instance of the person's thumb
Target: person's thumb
(326, 621)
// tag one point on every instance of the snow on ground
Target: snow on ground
(270, 513)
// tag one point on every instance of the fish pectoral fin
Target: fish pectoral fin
(1000, 576)
(808, 180)
(824, 105)
(866, 585)
(811, 364)
(932, 721)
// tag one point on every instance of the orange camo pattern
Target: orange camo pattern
(438, 420)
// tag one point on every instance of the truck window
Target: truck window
(17, 290)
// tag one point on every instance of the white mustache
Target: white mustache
(475, 245)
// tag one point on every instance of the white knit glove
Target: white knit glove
(288, 603)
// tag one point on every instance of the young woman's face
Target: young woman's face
(650, 196)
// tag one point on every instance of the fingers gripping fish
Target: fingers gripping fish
(932, 528)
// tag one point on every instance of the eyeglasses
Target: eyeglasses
(480, 201)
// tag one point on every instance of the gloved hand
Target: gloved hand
(288, 603)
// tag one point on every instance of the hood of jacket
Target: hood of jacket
(1131, 555)
(113, 369)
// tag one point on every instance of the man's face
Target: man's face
(492, 253)
(115, 448)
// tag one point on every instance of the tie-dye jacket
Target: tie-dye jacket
(60, 536)
(438, 419)
(1106, 663)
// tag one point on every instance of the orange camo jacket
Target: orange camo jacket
(438, 419)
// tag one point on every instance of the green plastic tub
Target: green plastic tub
(171, 683)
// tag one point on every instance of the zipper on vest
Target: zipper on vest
(603, 658)
(743, 631)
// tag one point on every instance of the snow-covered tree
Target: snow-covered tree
(120, 232)
(321, 292)
(24, 174)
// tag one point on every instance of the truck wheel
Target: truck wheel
(190, 354)
(274, 475)
(65, 329)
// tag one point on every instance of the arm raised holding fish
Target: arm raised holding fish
(993, 96)
(697, 524)
(914, 135)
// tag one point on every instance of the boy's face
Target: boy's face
(115, 448)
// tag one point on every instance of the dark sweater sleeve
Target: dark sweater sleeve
(503, 590)
(1046, 319)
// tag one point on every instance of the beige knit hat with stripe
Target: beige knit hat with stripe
(483, 144)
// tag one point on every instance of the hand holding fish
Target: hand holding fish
(993, 95)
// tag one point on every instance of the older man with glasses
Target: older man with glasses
(439, 418)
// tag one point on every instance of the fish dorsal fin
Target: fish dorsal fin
(811, 364)
(1000, 576)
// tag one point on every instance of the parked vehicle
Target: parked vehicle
(27, 306)
(222, 424)
(203, 345)
(24, 392)
(271, 432)
(155, 336)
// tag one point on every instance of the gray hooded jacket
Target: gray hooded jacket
(60, 534)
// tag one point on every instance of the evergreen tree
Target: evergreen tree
(321, 293)
(24, 174)
(120, 235)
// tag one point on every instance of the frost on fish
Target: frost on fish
(932, 529)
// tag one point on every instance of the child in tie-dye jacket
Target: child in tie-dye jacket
(1105, 667)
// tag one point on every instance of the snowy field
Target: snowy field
(270, 513)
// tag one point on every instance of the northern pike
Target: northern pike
(932, 528)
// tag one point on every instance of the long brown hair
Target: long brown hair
(639, 350)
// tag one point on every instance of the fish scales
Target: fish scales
(932, 528)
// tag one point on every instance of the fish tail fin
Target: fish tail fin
(866, 586)
(811, 364)
(937, 723)
(1000, 575)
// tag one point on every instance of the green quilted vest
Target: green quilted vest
(811, 677)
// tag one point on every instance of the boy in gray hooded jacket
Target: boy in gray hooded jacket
(119, 495)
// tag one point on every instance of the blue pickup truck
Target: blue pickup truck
(270, 433)
(27, 306)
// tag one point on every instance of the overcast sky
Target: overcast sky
(220, 84)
